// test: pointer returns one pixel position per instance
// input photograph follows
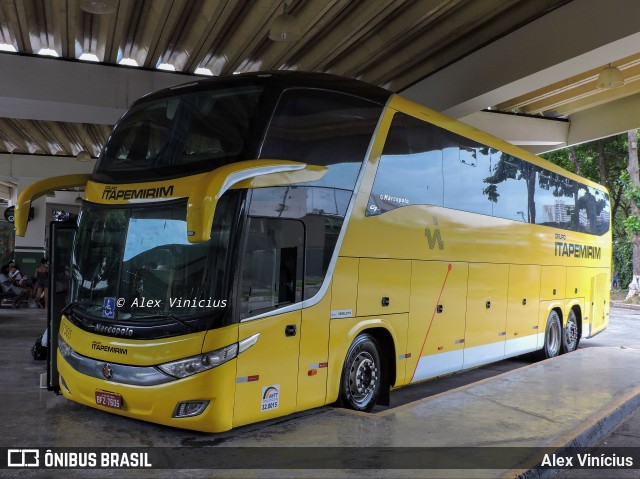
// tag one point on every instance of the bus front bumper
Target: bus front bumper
(158, 403)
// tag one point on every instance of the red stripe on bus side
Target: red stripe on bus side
(435, 309)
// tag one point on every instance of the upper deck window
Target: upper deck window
(325, 128)
(181, 134)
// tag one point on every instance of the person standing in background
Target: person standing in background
(42, 284)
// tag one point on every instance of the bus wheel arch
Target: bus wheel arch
(552, 335)
(572, 332)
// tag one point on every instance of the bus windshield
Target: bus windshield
(135, 263)
(201, 131)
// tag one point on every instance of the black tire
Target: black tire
(361, 375)
(570, 334)
(552, 337)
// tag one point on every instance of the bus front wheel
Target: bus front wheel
(570, 334)
(361, 375)
(552, 336)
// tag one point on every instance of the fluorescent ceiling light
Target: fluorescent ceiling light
(203, 71)
(6, 47)
(90, 57)
(48, 52)
(129, 62)
(166, 66)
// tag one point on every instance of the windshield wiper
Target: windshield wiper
(69, 308)
(69, 311)
(170, 316)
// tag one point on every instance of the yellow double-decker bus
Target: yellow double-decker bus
(266, 243)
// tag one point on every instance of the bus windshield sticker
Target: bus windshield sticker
(270, 397)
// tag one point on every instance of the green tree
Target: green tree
(632, 193)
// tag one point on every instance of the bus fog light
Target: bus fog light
(190, 408)
(64, 384)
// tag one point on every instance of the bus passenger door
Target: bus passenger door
(267, 372)
(270, 281)
(60, 246)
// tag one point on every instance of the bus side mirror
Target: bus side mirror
(206, 193)
(23, 211)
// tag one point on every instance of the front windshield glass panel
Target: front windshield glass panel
(136, 263)
(201, 130)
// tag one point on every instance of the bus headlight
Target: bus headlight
(202, 362)
(64, 348)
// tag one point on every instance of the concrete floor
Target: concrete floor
(574, 399)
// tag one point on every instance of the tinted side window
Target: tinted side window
(410, 168)
(506, 187)
(555, 203)
(424, 164)
(466, 165)
(586, 209)
(273, 265)
(320, 210)
(592, 207)
(323, 128)
(603, 213)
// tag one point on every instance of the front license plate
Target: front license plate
(106, 399)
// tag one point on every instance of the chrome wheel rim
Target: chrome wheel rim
(363, 377)
(553, 338)
(571, 333)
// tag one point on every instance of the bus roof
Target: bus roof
(282, 80)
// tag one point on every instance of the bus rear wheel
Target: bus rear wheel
(570, 334)
(361, 375)
(552, 336)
